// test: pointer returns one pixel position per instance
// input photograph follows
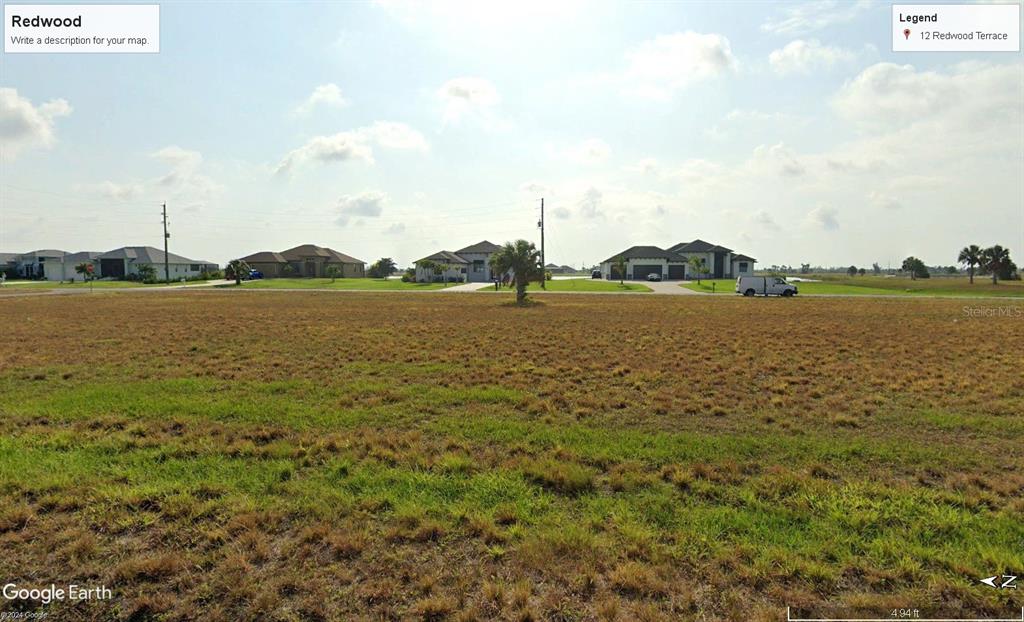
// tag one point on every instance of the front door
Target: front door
(310, 268)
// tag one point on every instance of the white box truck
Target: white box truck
(764, 286)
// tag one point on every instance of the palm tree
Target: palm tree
(522, 259)
(697, 266)
(620, 267)
(994, 259)
(87, 271)
(444, 267)
(238, 269)
(970, 256)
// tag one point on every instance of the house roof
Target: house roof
(743, 258)
(444, 257)
(146, 254)
(46, 252)
(81, 256)
(312, 250)
(645, 252)
(699, 246)
(265, 257)
(480, 247)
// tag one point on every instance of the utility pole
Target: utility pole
(167, 268)
(543, 269)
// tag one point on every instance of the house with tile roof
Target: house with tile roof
(470, 264)
(306, 260)
(673, 263)
(124, 263)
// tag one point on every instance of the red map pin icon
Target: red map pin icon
(906, 33)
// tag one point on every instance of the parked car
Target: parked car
(255, 274)
(596, 274)
(654, 276)
(764, 286)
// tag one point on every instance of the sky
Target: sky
(785, 131)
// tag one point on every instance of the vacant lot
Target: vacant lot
(878, 285)
(305, 455)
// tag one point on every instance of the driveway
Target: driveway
(671, 288)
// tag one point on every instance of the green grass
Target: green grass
(404, 454)
(79, 285)
(355, 284)
(582, 285)
(882, 286)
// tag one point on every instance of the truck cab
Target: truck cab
(764, 286)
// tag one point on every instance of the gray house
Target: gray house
(470, 264)
(122, 262)
(674, 263)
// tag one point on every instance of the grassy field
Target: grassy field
(303, 456)
(873, 285)
(581, 285)
(296, 283)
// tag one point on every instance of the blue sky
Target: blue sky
(787, 131)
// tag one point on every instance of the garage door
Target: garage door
(640, 272)
(677, 273)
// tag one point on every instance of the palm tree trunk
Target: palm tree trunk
(520, 292)
(970, 271)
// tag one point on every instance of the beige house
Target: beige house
(308, 260)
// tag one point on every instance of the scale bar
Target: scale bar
(891, 619)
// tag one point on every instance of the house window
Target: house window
(478, 265)
(743, 266)
(194, 267)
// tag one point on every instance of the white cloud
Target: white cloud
(645, 166)
(802, 56)
(589, 206)
(466, 95)
(533, 187)
(883, 200)
(589, 152)
(780, 159)
(323, 95)
(668, 63)
(823, 217)
(397, 228)
(972, 96)
(763, 220)
(355, 145)
(811, 16)
(180, 159)
(112, 190)
(367, 204)
(24, 126)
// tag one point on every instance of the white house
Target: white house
(447, 266)
(674, 263)
(644, 260)
(64, 268)
(478, 260)
(124, 262)
(37, 264)
(471, 264)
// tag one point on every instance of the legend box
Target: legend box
(956, 28)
